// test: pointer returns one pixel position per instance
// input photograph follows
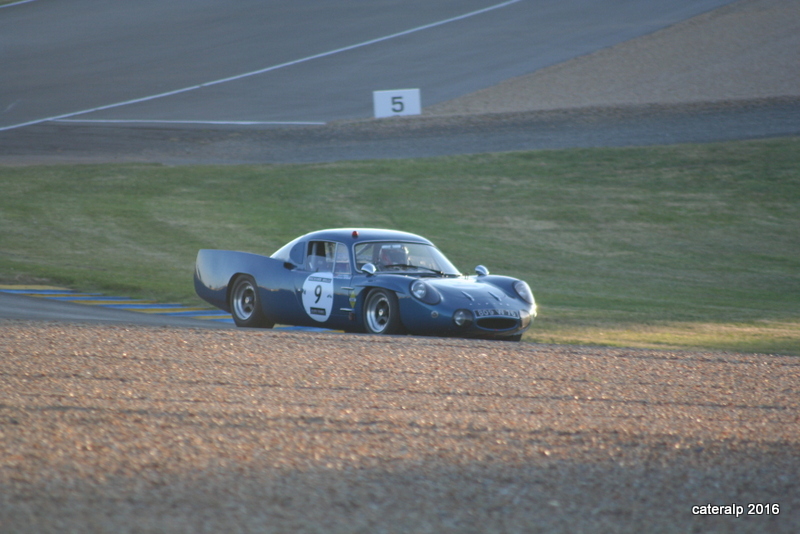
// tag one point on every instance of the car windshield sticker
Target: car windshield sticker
(318, 296)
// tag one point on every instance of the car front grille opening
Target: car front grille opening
(497, 323)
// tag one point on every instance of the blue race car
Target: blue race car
(364, 280)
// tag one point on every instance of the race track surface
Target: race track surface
(314, 61)
(40, 309)
(402, 137)
(275, 84)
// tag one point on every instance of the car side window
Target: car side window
(316, 259)
(327, 256)
(297, 253)
(341, 261)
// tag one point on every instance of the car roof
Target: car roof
(351, 236)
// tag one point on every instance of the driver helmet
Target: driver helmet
(393, 255)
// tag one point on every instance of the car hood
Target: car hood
(470, 290)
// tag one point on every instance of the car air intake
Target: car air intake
(498, 323)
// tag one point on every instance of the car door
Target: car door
(323, 284)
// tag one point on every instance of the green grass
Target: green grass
(677, 246)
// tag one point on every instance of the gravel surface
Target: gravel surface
(745, 51)
(137, 429)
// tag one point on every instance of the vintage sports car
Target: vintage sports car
(364, 280)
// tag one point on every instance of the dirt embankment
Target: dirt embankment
(746, 51)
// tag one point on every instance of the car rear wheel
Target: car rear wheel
(382, 313)
(246, 304)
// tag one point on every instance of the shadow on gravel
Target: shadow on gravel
(634, 490)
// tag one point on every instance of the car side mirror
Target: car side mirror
(481, 270)
(369, 268)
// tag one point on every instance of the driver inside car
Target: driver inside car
(393, 255)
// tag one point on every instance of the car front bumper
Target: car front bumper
(496, 323)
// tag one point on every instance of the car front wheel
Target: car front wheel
(382, 313)
(246, 304)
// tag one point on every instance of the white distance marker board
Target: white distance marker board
(396, 102)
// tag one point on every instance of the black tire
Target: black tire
(382, 313)
(246, 304)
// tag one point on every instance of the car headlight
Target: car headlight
(425, 292)
(462, 317)
(524, 291)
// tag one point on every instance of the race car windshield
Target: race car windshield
(390, 256)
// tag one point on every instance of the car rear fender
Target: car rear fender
(215, 269)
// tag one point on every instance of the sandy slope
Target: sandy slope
(748, 50)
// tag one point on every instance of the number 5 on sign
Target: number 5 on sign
(397, 102)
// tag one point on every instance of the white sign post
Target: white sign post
(396, 102)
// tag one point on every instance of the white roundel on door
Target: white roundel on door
(318, 296)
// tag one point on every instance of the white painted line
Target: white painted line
(17, 3)
(267, 69)
(155, 121)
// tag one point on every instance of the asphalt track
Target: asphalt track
(201, 60)
(33, 309)
(400, 137)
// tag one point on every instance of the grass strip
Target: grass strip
(679, 246)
